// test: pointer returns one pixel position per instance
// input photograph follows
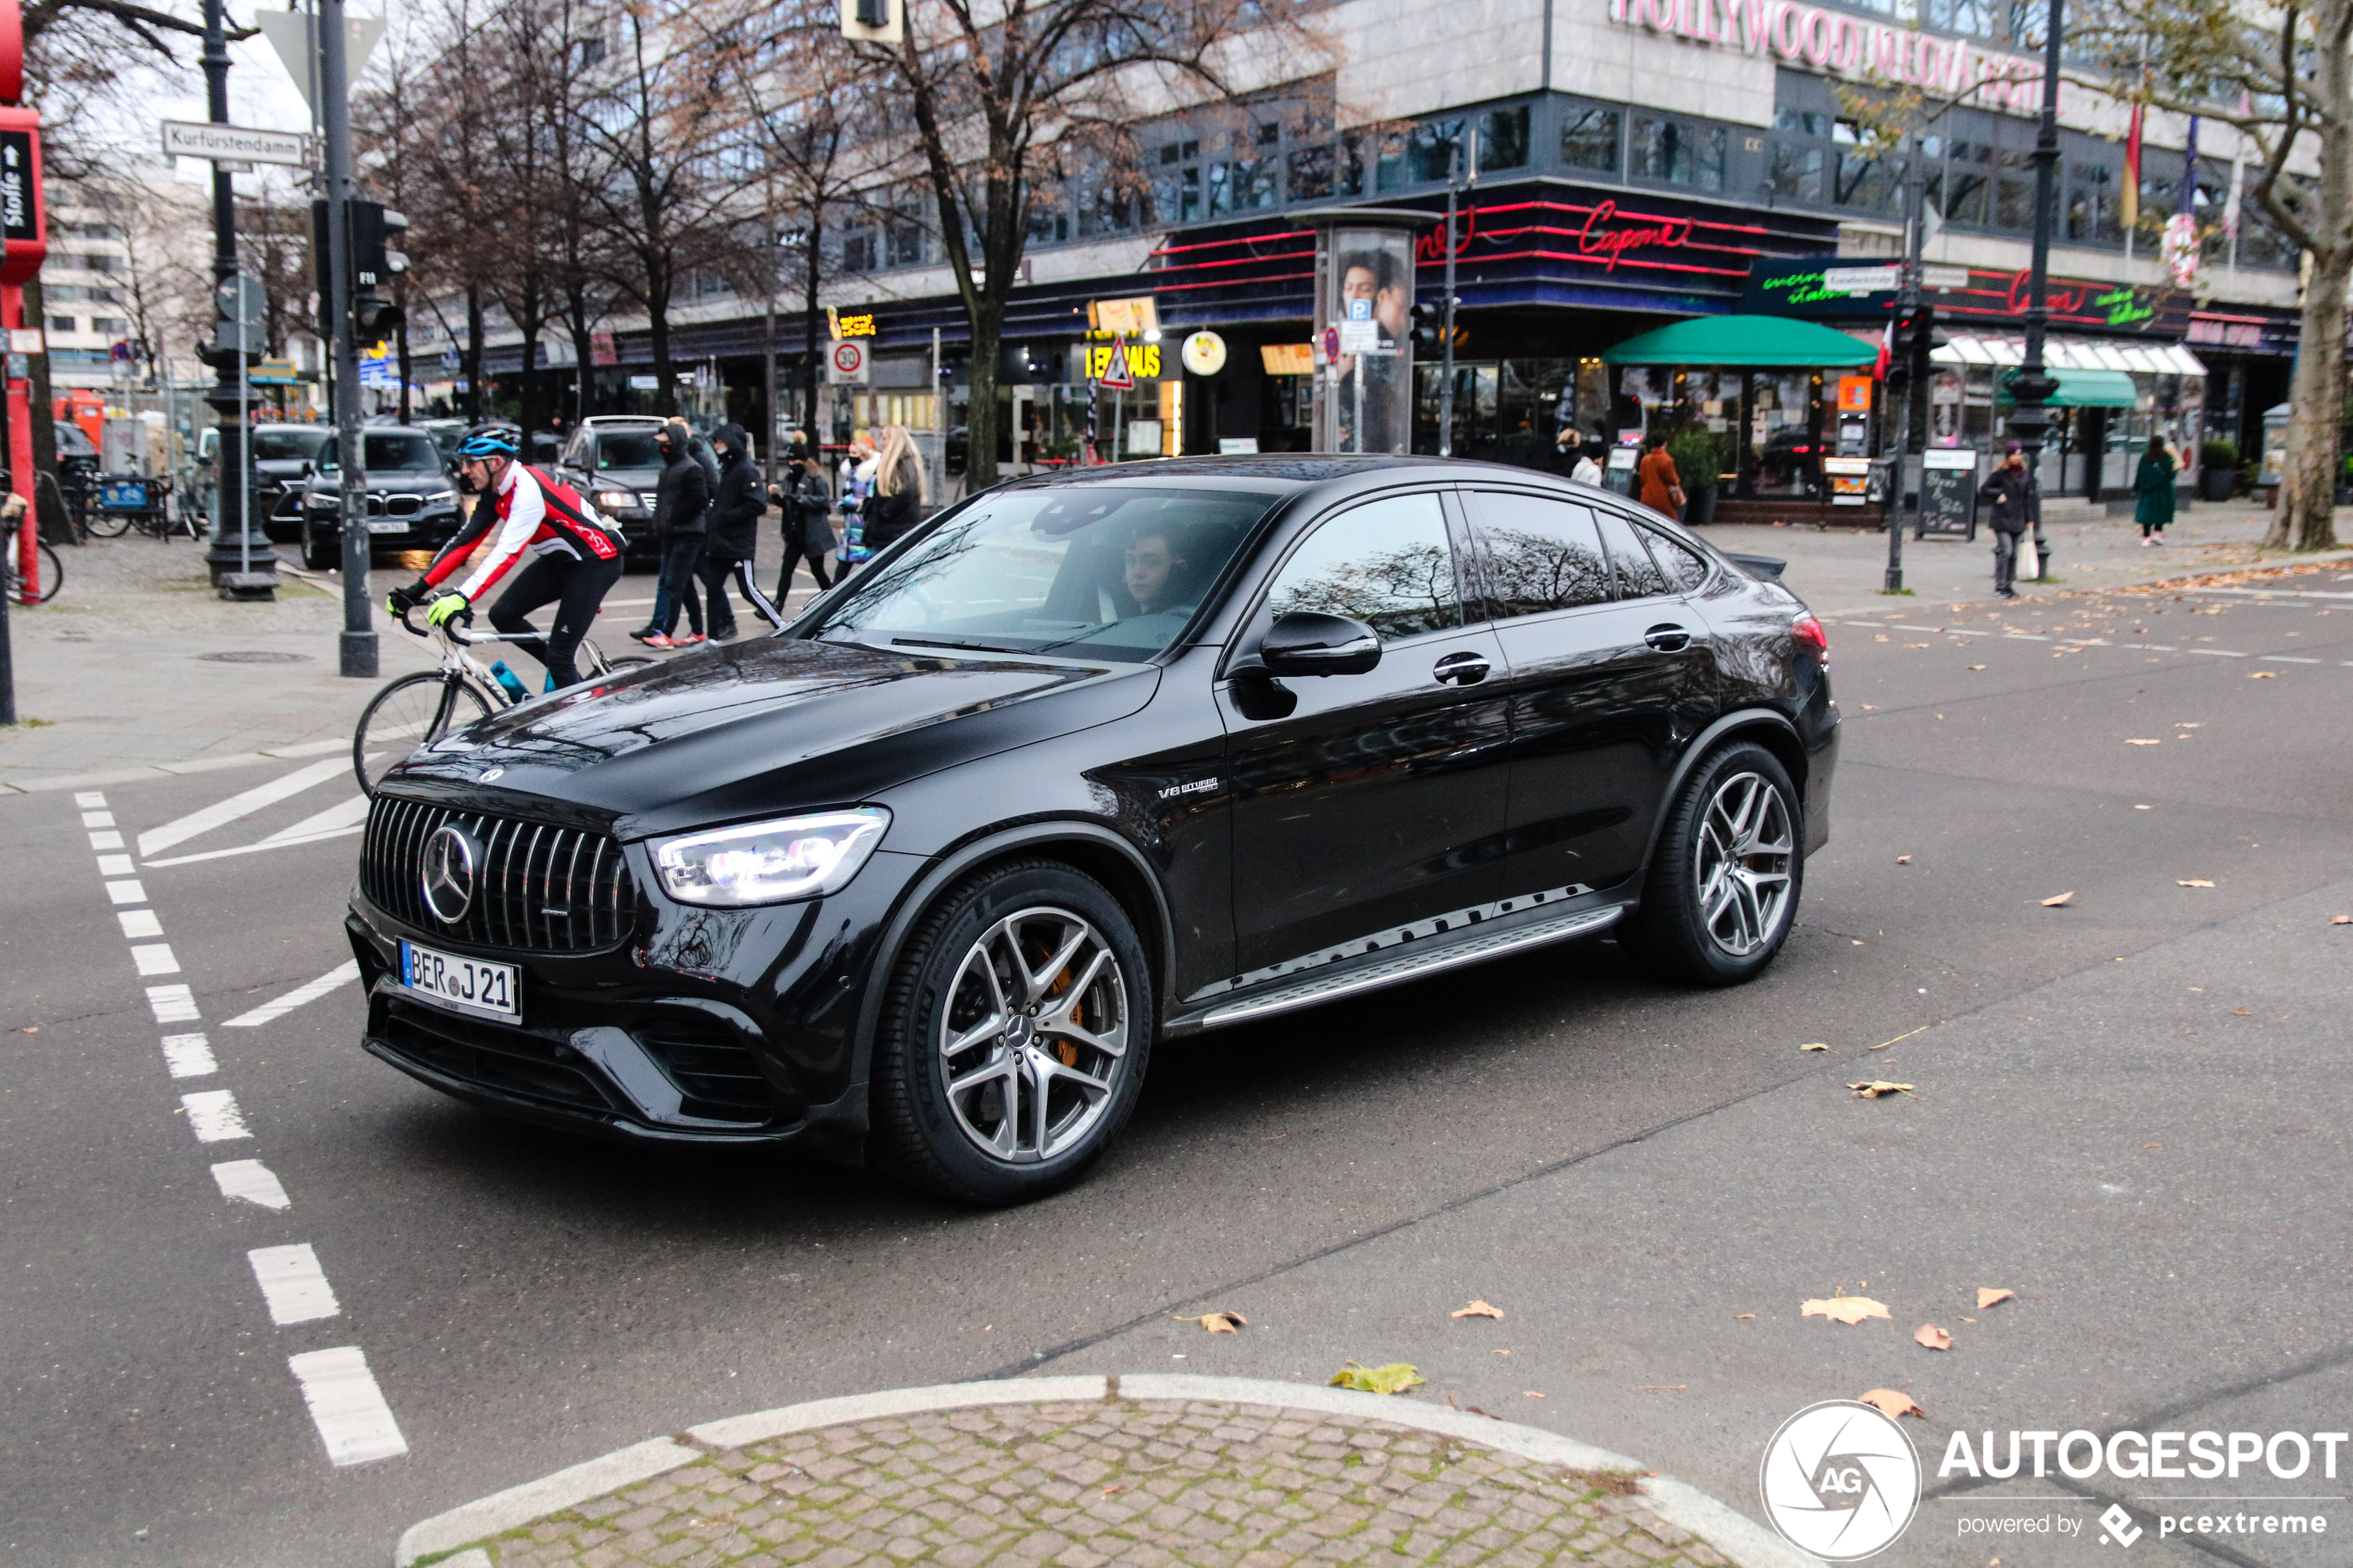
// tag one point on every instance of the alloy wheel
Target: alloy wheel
(1035, 1035)
(1741, 863)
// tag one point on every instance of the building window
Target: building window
(1964, 183)
(1243, 186)
(2014, 193)
(1419, 156)
(1176, 191)
(110, 326)
(903, 236)
(1311, 173)
(1677, 152)
(2091, 205)
(1503, 139)
(1588, 140)
(63, 324)
(858, 252)
(1795, 173)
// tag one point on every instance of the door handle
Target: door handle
(1668, 638)
(1462, 669)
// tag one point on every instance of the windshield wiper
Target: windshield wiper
(951, 642)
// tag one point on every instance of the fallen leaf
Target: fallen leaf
(1394, 1378)
(1868, 707)
(1880, 1088)
(30, 1029)
(1916, 644)
(1478, 1309)
(1817, 1046)
(2193, 882)
(2180, 725)
(2333, 920)
(1662, 1388)
(1932, 1336)
(1903, 859)
(1969, 1319)
(1977, 666)
(1988, 1297)
(1532, 1394)
(1742, 1317)
(1218, 1322)
(1848, 1310)
(2054, 902)
(2243, 1012)
(2145, 743)
(2265, 676)
(1894, 1403)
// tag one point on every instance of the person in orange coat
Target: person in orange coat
(1662, 487)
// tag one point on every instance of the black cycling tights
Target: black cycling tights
(575, 588)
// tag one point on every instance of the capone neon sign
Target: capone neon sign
(1842, 42)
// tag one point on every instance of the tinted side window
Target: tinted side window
(1387, 564)
(1541, 554)
(1685, 571)
(1637, 575)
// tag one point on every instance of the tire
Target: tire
(629, 661)
(318, 555)
(1710, 918)
(941, 1119)
(52, 575)
(414, 711)
(106, 525)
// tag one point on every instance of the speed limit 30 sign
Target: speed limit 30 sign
(849, 361)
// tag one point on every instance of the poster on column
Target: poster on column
(1368, 298)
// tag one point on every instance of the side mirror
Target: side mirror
(1305, 643)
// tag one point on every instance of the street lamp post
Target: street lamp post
(238, 549)
(359, 641)
(2033, 386)
(1907, 313)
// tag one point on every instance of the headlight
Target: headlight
(438, 496)
(770, 862)
(616, 500)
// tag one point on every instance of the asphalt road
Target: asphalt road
(2130, 1111)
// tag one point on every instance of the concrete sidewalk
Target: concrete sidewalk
(1079, 1472)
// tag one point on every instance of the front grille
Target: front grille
(539, 887)
(491, 1055)
(712, 1066)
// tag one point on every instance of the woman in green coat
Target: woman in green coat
(2154, 485)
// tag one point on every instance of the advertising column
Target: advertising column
(1363, 346)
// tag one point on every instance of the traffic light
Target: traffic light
(371, 227)
(1914, 339)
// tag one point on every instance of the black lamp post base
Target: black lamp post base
(226, 560)
(358, 651)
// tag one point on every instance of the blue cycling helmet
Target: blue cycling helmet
(491, 441)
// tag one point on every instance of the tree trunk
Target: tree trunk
(808, 283)
(473, 353)
(400, 347)
(49, 503)
(2308, 492)
(986, 318)
(657, 323)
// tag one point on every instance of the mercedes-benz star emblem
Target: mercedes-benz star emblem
(447, 877)
(491, 775)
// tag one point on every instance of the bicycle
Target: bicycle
(129, 501)
(53, 570)
(431, 704)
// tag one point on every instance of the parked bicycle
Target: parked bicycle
(140, 501)
(420, 708)
(53, 570)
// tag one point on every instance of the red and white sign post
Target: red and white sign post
(24, 224)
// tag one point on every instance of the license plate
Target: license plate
(467, 985)
(387, 525)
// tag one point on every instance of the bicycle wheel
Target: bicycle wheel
(413, 711)
(52, 575)
(106, 525)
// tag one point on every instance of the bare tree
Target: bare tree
(2283, 77)
(991, 87)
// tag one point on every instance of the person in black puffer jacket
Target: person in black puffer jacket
(734, 538)
(682, 508)
(807, 509)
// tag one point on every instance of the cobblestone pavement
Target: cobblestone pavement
(1112, 1481)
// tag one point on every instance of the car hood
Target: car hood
(761, 727)
(390, 484)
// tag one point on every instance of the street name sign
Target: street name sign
(233, 144)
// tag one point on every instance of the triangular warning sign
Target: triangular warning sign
(1116, 375)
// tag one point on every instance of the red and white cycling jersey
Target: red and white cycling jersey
(533, 515)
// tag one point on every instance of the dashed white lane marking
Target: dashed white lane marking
(189, 1056)
(347, 1406)
(352, 813)
(98, 819)
(2286, 659)
(115, 865)
(251, 1182)
(127, 892)
(228, 811)
(105, 839)
(293, 1284)
(258, 848)
(154, 959)
(213, 1116)
(295, 997)
(140, 922)
(173, 1004)
(2218, 653)
(88, 798)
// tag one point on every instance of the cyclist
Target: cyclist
(575, 555)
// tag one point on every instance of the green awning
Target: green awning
(1745, 340)
(2094, 389)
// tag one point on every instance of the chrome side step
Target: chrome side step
(1328, 987)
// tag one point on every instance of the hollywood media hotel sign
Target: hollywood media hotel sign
(1839, 41)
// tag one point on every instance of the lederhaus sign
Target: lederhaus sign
(1818, 38)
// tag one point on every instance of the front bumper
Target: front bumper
(715, 1027)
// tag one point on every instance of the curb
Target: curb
(1747, 1543)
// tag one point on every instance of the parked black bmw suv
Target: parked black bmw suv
(1087, 762)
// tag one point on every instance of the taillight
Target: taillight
(1809, 633)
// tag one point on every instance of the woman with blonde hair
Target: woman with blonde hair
(897, 504)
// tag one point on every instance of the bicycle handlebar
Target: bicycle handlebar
(462, 637)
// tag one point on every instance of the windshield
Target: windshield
(406, 452)
(273, 445)
(1109, 571)
(632, 449)
(72, 443)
